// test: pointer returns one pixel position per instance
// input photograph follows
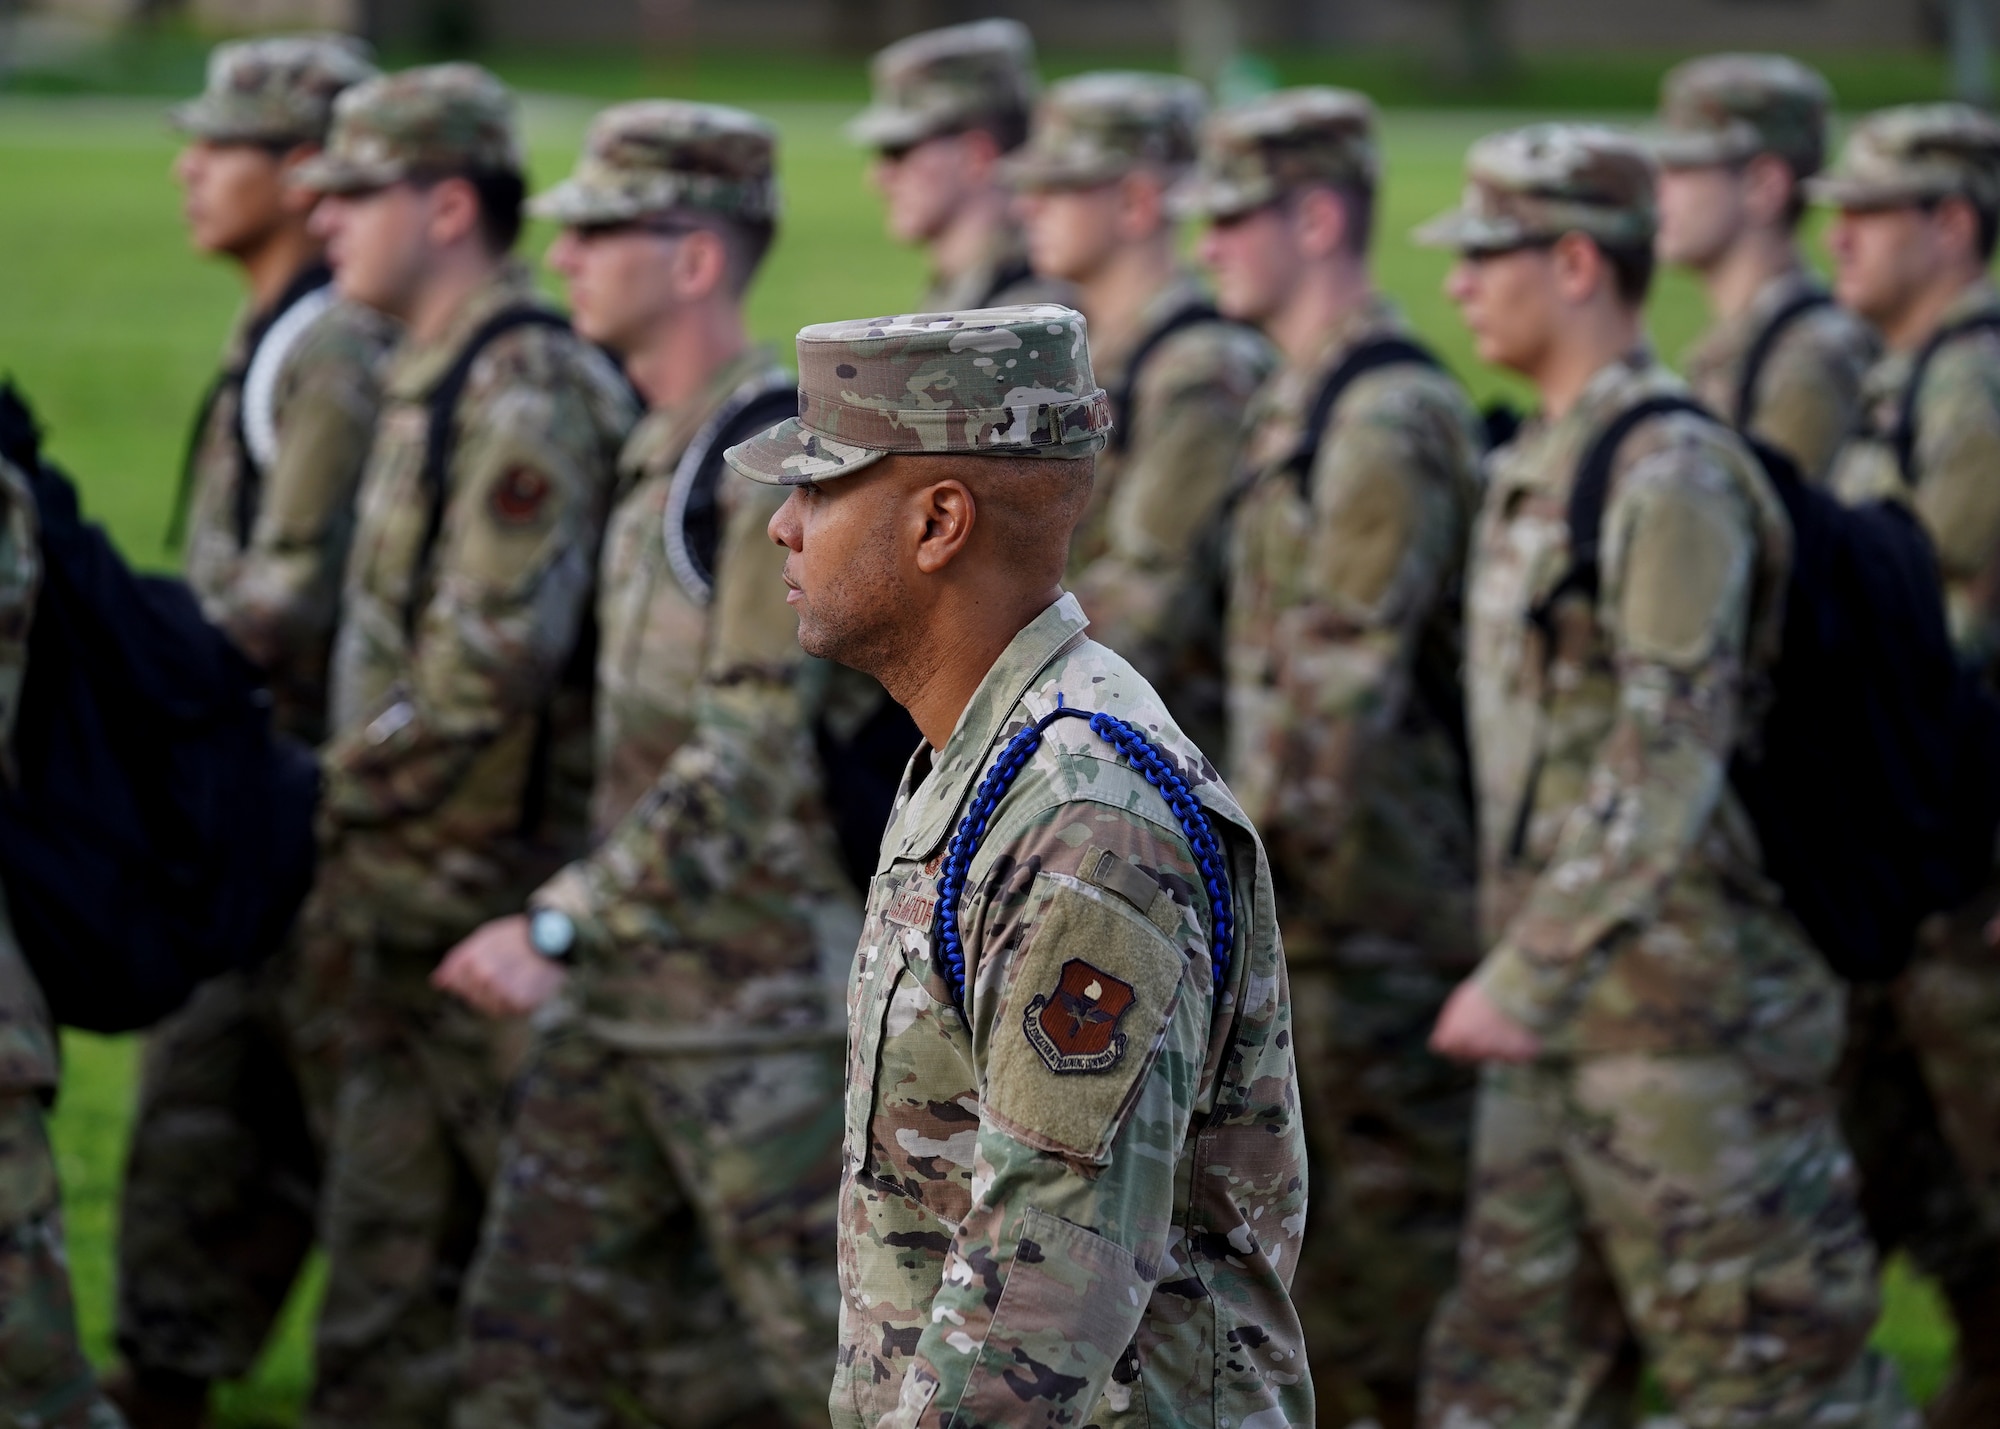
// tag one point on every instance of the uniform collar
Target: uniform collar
(418, 367)
(953, 770)
(663, 434)
(1374, 316)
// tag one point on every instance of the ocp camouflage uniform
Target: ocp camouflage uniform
(942, 82)
(45, 1381)
(1727, 109)
(1343, 587)
(1922, 1084)
(666, 1191)
(1137, 557)
(1073, 1189)
(459, 769)
(236, 1090)
(1670, 1170)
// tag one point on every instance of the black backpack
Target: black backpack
(1122, 396)
(1874, 783)
(860, 766)
(1766, 343)
(160, 832)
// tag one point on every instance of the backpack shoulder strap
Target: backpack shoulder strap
(1127, 390)
(1361, 359)
(693, 524)
(441, 434)
(313, 279)
(1591, 492)
(1004, 277)
(1766, 342)
(1903, 439)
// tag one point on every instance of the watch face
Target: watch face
(551, 932)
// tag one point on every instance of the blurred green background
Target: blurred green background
(113, 328)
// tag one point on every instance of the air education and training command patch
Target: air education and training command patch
(1075, 1028)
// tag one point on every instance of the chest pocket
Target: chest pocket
(390, 523)
(912, 1097)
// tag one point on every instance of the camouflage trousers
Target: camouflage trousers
(45, 1382)
(1388, 1133)
(1920, 1102)
(660, 1249)
(416, 1138)
(1683, 1206)
(222, 1181)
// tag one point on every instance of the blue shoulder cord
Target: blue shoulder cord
(1143, 755)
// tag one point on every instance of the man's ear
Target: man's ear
(980, 154)
(1956, 223)
(296, 200)
(947, 512)
(701, 264)
(1319, 219)
(1768, 183)
(1142, 202)
(454, 211)
(1580, 268)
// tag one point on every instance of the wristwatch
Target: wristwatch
(552, 933)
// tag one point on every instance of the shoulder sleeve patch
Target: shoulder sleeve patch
(519, 496)
(1086, 1011)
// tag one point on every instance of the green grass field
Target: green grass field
(112, 327)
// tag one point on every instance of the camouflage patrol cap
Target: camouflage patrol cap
(1252, 154)
(990, 382)
(417, 123)
(1538, 183)
(943, 81)
(1726, 108)
(1098, 127)
(274, 91)
(657, 155)
(1913, 154)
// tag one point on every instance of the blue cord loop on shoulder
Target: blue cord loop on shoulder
(1145, 757)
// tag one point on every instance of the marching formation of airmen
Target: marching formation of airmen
(1451, 1064)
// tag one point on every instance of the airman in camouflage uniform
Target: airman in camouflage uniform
(667, 1188)
(458, 772)
(948, 104)
(235, 1097)
(1918, 191)
(45, 1381)
(1074, 1178)
(1657, 1159)
(1095, 177)
(1738, 136)
(1345, 744)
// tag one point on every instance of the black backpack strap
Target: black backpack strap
(1903, 439)
(442, 434)
(1766, 342)
(1004, 277)
(693, 521)
(309, 279)
(1123, 395)
(1591, 493)
(1361, 359)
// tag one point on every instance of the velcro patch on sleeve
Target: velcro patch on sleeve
(1082, 1023)
(1116, 874)
(520, 495)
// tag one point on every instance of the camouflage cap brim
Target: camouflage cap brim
(1030, 172)
(1701, 148)
(594, 196)
(1213, 196)
(219, 121)
(884, 127)
(790, 455)
(1465, 232)
(332, 175)
(1846, 191)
